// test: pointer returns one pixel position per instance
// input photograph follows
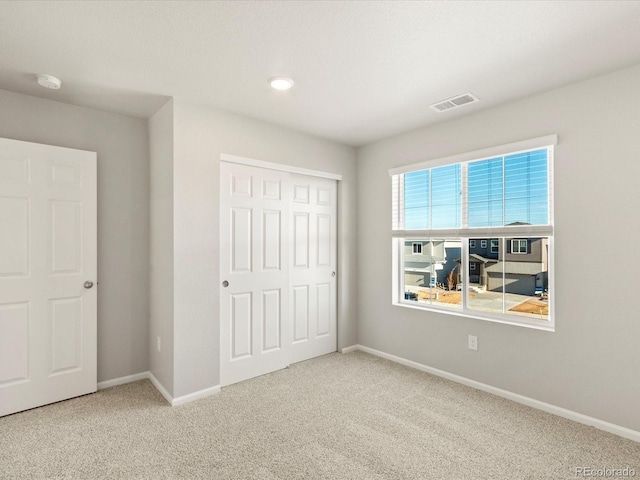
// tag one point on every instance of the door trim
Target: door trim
(225, 157)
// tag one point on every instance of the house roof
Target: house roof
(479, 258)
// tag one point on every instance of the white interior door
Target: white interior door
(47, 253)
(253, 261)
(277, 264)
(312, 273)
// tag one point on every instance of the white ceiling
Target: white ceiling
(363, 70)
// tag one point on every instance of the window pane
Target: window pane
(485, 193)
(526, 278)
(432, 277)
(509, 190)
(526, 196)
(447, 291)
(517, 246)
(416, 267)
(485, 280)
(518, 278)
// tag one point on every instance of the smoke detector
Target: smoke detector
(454, 102)
(48, 81)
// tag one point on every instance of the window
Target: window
(417, 248)
(502, 195)
(519, 246)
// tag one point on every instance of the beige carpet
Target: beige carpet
(351, 416)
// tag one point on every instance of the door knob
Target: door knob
(88, 284)
(333, 274)
(225, 284)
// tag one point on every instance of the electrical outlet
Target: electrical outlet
(158, 343)
(473, 342)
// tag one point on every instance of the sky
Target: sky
(500, 190)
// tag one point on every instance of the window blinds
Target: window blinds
(505, 194)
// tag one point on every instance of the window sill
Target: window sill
(547, 326)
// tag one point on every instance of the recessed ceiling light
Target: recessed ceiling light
(281, 83)
(48, 81)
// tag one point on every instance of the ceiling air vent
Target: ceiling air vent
(454, 102)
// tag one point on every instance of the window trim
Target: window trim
(413, 248)
(472, 243)
(472, 266)
(465, 233)
(483, 244)
(520, 240)
(497, 250)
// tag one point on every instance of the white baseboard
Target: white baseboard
(531, 402)
(350, 348)
(207, 392)
(122, 380)
(163, 391)
(160, 388)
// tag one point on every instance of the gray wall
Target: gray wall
(161, 245)
(123, 215)
(201, 135)
(590, 363)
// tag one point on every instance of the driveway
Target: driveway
(492, 301)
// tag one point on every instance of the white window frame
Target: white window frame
(472, 266)
(413, 248)
(483, 244)
(472, 243)
(465, 233)
(497, 250)
(519, 243)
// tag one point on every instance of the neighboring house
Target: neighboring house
(525, 264)
(421, 259)
(483, 253)
(428, 262)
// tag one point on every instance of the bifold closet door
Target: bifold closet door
(278, 269)
(48, 268)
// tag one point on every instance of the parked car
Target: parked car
(410, 296)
